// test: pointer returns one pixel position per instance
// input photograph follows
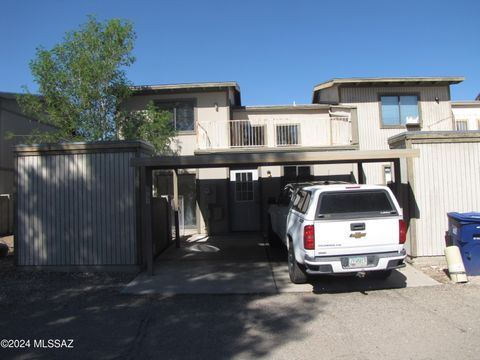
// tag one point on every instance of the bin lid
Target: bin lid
(465, 217)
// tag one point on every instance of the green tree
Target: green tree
(82, 84)
(150, 125)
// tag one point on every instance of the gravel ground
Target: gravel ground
(19, 287)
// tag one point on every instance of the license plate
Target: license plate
(357, 261)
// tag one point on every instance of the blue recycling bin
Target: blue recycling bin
(464, 231)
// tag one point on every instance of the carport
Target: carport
(252, 159)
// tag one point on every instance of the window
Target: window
(287, 135)
(337, 204)
(183, 118)
(243, 134)
(244, 186)
(387, 174)
(285, 196)
(302, 200)
(296, 173)
(461, 125)
(399, 109)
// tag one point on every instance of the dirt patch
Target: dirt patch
(24, 286)
(436, 272)
(8, 240)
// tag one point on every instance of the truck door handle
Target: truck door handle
(300, 221)
(357, 226)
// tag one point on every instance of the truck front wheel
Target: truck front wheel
(296, 271)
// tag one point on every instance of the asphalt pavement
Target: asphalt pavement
(336, 318)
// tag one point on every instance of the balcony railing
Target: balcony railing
(319, 132)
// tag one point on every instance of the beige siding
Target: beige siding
(316, 128)
(446, 179)
(210, 106)
(434, 116)
(469, 113)
(328, 95)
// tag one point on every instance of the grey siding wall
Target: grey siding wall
(443, 179)
(434, 116)
(76, 209)
(11, 121)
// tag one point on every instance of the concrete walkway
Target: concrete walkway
(245, 264)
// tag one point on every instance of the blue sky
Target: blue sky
(276, 50)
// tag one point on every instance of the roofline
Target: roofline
(271, 159)
(311, 107)
(341, 81)
(466, 103)
(13, 95)
(185, 86)
(292, 107)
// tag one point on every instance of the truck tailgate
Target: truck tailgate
(356, 236)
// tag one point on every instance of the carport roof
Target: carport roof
(271, 158)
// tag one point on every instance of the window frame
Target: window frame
(461, 121)
(242, 187)
(158, 102)
(297, 134)
(353, 215)
(398, 94)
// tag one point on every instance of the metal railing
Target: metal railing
(278, 132)
(245, 134)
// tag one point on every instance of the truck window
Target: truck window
(353, 203)
(302, 201)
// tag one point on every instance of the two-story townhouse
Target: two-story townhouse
(210, 118)
(389, 106)
(345, 114)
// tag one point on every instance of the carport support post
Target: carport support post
(361, 174)
(146, 199)
(398, 179)
(175, 208)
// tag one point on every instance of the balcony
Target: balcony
(274, 133)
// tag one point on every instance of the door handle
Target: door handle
(357, 226)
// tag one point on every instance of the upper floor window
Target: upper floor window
(287, 134)
(399, 109)
(183, 118)
(461, 125)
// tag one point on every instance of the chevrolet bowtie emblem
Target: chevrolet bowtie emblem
(358, 235)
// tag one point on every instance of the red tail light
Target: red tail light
(309, 237)
(402, 232)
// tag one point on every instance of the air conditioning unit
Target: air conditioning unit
(413, 120)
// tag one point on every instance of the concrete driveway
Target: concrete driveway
(246, 264)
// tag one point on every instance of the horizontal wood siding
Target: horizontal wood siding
(446, 179)
(76, 209)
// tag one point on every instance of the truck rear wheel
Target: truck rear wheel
(296, 271)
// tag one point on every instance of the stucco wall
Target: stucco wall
(210, 106)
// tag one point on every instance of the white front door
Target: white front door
(245, 200)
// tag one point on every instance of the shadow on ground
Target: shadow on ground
(105, 324)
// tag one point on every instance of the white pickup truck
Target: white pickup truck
(339, 228)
